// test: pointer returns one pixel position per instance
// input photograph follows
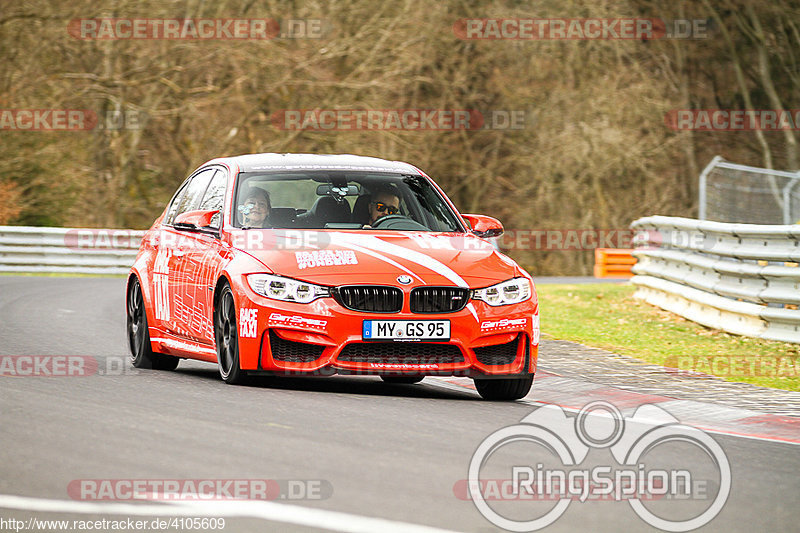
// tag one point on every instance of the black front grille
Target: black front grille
(293, 351)
(498, 354)
(370, 298)
(409, 353)
(439, 299)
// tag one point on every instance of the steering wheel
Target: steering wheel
(398, 222)
(387, 218)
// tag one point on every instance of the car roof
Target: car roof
(271, 161)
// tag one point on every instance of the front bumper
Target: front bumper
(324, 338)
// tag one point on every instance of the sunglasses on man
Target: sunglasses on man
(381, 207)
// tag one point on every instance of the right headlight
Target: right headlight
(508, 292)
(286, 289)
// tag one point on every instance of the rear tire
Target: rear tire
(142, 354)
(402, 380)
(504, 389)
(226, 337)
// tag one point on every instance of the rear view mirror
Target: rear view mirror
(328, 189)
(483, 226)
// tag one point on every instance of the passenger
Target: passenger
(256, 208)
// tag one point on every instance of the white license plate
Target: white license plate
(406, 330)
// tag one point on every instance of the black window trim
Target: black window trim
(246, 174)
(217, 233)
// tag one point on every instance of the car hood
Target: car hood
(339, 257)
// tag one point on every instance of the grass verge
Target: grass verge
(607, 316)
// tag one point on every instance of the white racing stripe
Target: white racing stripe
(383, 258)
(264, 510)
(374, 243)
(472, 310)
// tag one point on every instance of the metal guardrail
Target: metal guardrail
(740, 278)
(68, 250)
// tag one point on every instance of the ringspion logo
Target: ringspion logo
(641, 444)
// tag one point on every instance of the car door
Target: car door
(165, 243)
(201, 264)
(181, 243)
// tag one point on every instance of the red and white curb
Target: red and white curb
(572, 394)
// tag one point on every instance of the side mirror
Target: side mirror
(483, 226)
(195, 220)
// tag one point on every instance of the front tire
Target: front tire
(226, 336)
(142, 354)
(504, 389)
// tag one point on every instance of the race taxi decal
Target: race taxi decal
(278, 319)
(505, 323)
(323, 258)
(248, 322)
(161, 284)
(535, 320)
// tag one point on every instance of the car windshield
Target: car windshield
(341, 200)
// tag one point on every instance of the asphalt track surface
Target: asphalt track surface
(388, 452)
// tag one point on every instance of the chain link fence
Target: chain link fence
(751, 195)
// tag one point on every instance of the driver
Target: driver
(256, 208)
(383, 202)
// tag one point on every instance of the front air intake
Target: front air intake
(439, 299)
(370, 298)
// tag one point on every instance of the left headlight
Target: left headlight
(286, 289)
(513, 291)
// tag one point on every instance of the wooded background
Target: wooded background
(595, 152)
